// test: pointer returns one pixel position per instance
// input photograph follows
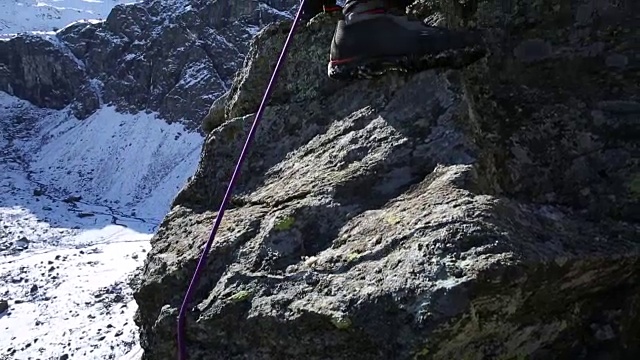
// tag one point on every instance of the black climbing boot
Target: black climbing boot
(312, 8)
(374, 38)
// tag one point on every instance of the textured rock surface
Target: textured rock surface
(41, 71)
(174, 57)
(485, 214)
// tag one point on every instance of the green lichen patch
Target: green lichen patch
(241, 295)
(341, 322)
(634, 187)
(354, 256)
(285, 223)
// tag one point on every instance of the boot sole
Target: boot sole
(371, 68)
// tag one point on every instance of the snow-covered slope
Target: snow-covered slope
(47, 15)
(174, 57)
(125, 162)
(79, 201)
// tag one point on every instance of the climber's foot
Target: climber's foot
(371, 41)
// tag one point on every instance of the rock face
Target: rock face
(38, 70)
(489, 213)
(173, 57)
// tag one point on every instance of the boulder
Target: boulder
(487, 213)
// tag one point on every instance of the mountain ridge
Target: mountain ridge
(172, 57)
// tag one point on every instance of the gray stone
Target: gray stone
(39, 70)
(532, 50)
(87, 101)
(486, 213)
(617, 60)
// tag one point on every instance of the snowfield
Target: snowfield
(79, 201)
(18, 16)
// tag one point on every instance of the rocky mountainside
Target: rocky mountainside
(489, 213)
(18, 16)
(171, 57)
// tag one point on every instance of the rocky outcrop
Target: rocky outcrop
(489, 213)
(41, 71)
(171, 57)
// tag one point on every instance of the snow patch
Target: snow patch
(79, 201)
(116, 160)
(73, 301)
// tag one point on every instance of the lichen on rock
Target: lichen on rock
(488, 213)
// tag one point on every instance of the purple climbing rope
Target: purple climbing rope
(182, 350)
